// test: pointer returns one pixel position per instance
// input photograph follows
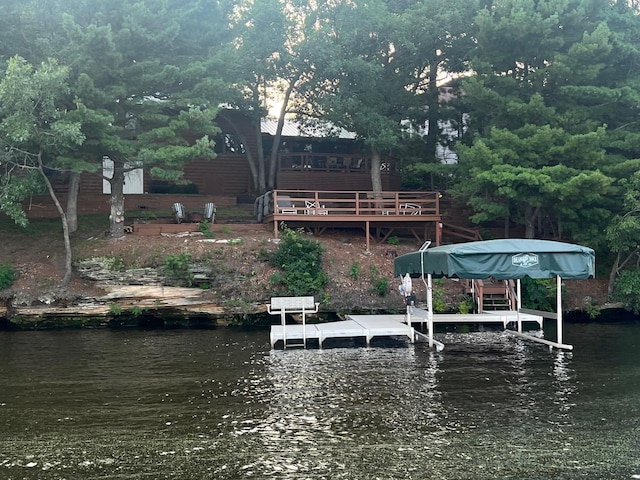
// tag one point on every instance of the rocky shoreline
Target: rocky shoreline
(122, 283)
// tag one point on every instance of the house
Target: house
(309, 157)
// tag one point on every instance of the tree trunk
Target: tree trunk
(65, 227)
(116, 216)
(72, 201)
(275, 149)
(433, 116)
(530, 215)
(613, 274)
(262, 184)
(376, 179)
(253, 168)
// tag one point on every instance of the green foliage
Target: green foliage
(593, 310)
(205, 229)
(466, 305)
(381, 286)
(16, 186)
(115, 309)
(114, 264)
(177, 267)
(8, 275)
(393, 240)
(539, 294)
(439, 303)
(354, 271)
(300, 262)
(225, 229)
(627, 290)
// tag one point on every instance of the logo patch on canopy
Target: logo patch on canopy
(524, 260)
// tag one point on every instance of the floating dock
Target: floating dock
(370, 326)
(358, 326)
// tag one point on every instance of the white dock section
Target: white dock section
(419, 315)
(358, 326)
(370, 326)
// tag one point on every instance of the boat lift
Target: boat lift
(511, 259)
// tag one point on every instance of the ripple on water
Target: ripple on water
(212, 404)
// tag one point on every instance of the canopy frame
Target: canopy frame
(511, 259)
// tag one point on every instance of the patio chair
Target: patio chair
(210, 212)
(410, 209)
(286, 206)
(179, 212)
(312, 209)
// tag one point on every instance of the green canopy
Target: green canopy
(502, 259)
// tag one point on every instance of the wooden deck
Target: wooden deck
(378, 215)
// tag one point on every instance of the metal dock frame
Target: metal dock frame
(293, 305)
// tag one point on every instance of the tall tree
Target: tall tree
(270, 60)
(381, 70)
(537, 104)
(140, 78)
(131, 67)
(35, 129)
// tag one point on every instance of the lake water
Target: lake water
(219, 404)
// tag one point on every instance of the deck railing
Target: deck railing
(351, 203)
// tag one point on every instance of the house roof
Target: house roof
(293, 128)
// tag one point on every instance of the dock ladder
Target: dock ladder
(293, 305)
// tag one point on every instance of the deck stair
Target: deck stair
(491, 294)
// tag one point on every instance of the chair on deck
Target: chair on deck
(179, 212)
(210, 212)
(410, 209)
(286, 206)
(312, 209)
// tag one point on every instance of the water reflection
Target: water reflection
(221, 404)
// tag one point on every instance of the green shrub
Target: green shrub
(177, 268)
(393, 240)
(300, 262)
(8, 275)
(205, 229)
(627, 290)
(439, 303)
(354, 271)
(114, 264)
(466, 305)
(115, 309)
(381, 286)
(539, 294)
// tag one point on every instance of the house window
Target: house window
(229, 144)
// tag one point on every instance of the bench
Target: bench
(293, 305)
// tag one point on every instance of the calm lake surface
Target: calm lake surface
(219, 404)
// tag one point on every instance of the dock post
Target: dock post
(283, 320)
(430, 308)
(559, 307)
(519, 304)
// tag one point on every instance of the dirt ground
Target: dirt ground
(239, 258)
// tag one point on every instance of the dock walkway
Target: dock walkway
(370, 326)
(358, 326)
